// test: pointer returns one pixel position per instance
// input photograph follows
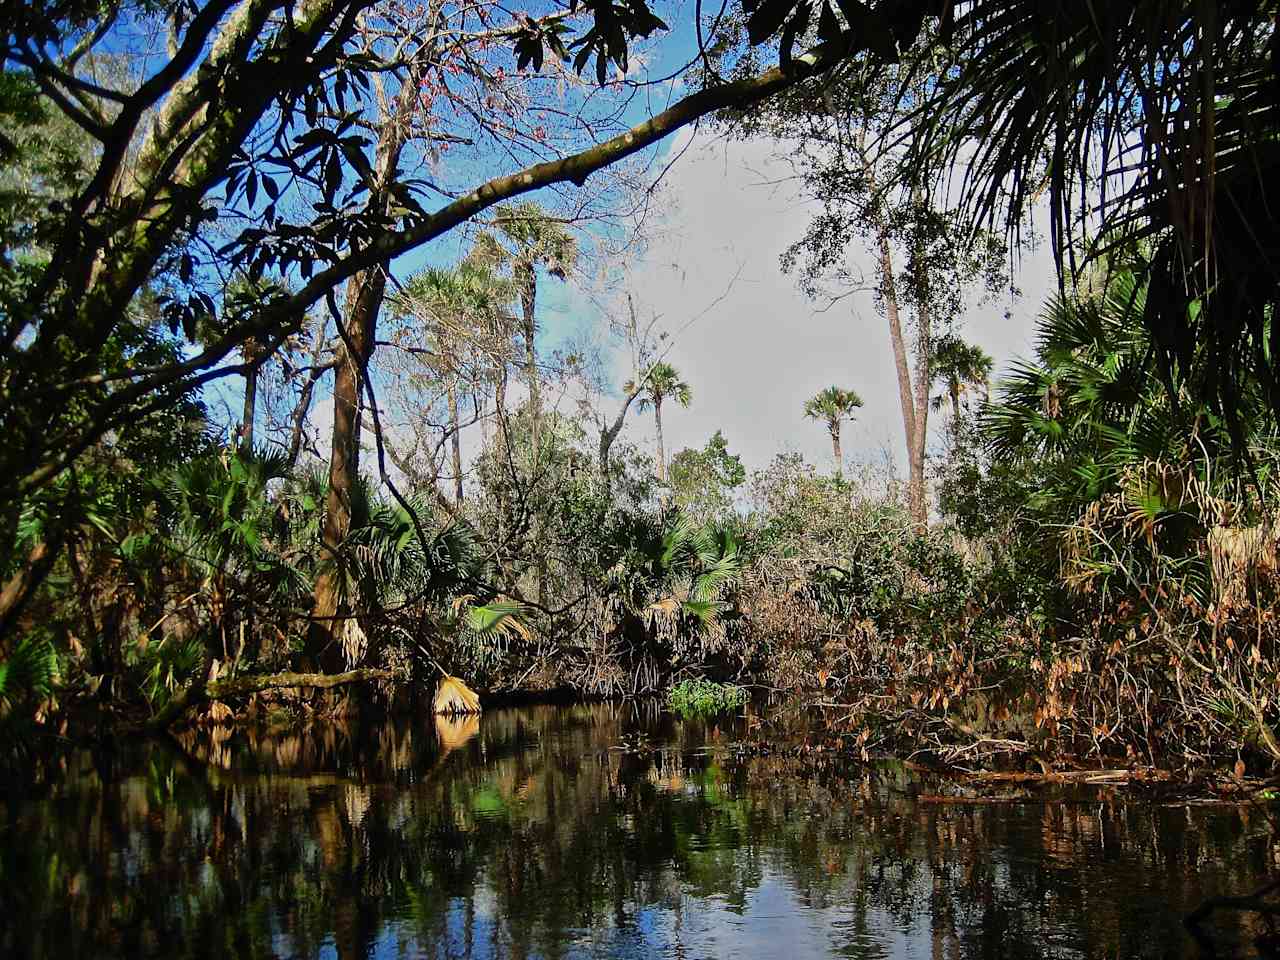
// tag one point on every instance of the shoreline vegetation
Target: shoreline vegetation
(201, 247)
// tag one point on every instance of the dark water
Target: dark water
(597, 831)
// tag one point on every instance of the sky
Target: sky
(755, 357)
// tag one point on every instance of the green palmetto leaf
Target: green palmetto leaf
(1149, 120)
(498, 618)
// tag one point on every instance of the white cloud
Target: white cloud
(754, 359)
(758, 354)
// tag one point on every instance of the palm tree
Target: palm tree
(833, 406)
(1090, 405)
(661, 383)
(527, 238)
(958, 365)
(454, 301)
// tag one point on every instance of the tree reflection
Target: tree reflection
(592, 830)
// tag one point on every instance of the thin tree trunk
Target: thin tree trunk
(528, 302)
(250, 413)
(914, 398)
(500, 401)
(528, 305)
(303, 408)
(954, 390)
(923, 374)
(662, 460)
(455, 440)
(889, 296)
(610, 433)
(835, 448)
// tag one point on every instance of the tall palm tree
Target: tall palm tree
(833, 406)
(958, 365)
(525, 238)
(454, 301)
(661, 383)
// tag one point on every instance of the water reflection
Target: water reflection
(581, 832)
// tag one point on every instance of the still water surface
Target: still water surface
(591, 831)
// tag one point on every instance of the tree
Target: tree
(1151, 121)
(196, 166)
(958, 365)
(1090, 405)
(454, 309)
(926, 265)
(244, 295)
(661, 383)
(833, 406)
(703, 481)
(530, 239)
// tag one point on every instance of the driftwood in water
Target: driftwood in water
(185, 699)
(455, 697)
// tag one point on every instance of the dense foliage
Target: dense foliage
(1089, 568)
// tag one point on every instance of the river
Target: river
(587, 831)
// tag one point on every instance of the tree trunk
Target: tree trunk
(344, 456)
(835, 448)
(954, 389)
(910, 419)
(500, 406)
(303, 408)
(528, 279)
(455, 439)
(198, 693)
(528, 302)
(662, 461)
(250, 412)
(20, 588)
(924, 377)
(365, 293)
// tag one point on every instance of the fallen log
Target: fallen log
(192, 696)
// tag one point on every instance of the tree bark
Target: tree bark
(954, 389)
(662, 461)
(365, 293)
(17, 592)
(250, 412)
(500, 399)
(455, 439)
(906, 394)
(344, 456)
(303, 408)
(528, 278)
(835, 448)
(610, 433)
(924, 378)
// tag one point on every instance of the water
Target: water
(601, 831)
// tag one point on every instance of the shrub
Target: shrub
(702, 697)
